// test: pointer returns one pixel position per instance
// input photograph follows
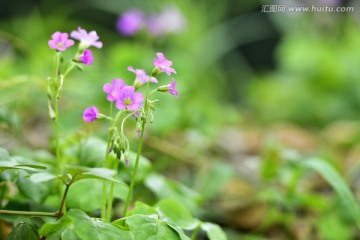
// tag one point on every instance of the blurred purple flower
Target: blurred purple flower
(111, 89)
(130, 22)
(171, 88)
(163, 65)
(90, 114)
(170, 20)
(86, 39)
(87, 57)
(128, 99)
(60, 41)
(141, 76)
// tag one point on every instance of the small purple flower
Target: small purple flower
(169, 20)
(128, 98)
(87, 57)
(141, 76)
(60, 41)
(90, 114)
(163, 64)
(86, 39)
(126, 162)
(130, 22)
(111, 89)
(171, 88)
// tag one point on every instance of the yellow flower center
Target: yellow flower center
(127, 102)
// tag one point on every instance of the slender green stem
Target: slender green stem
(128, 198)
(111, 194)
(104, 188)
(57, 145)
(196, 231)
(27, 213)
(62, 204)
(132, 183)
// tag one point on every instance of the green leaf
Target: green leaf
(337, 182)
(173, 225)
(165, 188)
(80, 196)
(176, 211)
(213, 231)
(35, 191)
(79, 226)
(109, 231)
(150, 228)
(80, 172)
(10, 165)
(142, 208)
(26, 230)
(43, 177)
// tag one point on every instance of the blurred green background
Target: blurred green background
(255, 89)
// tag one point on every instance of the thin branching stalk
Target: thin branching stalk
(132, 183)
(27, 213)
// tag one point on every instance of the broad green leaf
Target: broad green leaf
(88, 152)
(337, 182)
(177, 212)
(35, 191)
(26, 230)
(142, 208)
(213, 231)
(69, 234)
(80, 172)
(109, 231)
(173, 225)
(79, 226)
(86, 194)
(150, 228)
(13, 166)
(165, 188)
(43, 177)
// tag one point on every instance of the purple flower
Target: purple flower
(87, 57)
(163, 64)
(86, 39)
(128, 98)
(60, 41)
(90, 114)
(170, 88)
(130, 22)
(169, 20)
(111, 89)
(141, 77)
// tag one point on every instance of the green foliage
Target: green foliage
(77, 225)
(86, 194)
(151, 227)
(26, 230)
(165, 188)
(213, 231)
(337, 182)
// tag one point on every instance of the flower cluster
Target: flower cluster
(126, 97)
(169, 20)
(60, 42)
